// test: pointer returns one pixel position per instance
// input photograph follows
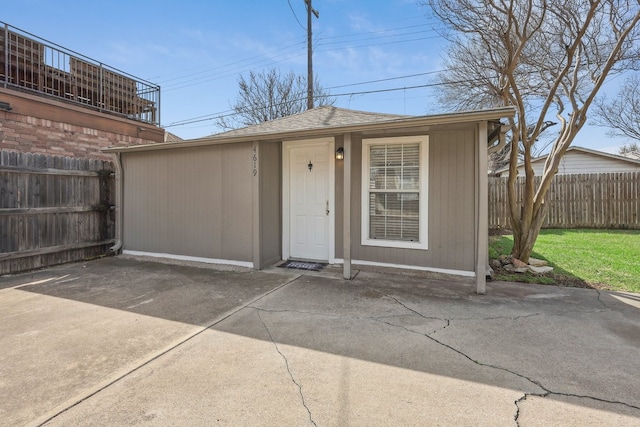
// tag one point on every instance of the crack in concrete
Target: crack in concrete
(461, 353)
(84, 396)
(444, 321)
(453, 348)
(597, 399)
(411, 309)
(547, 392)
(523, 316)
(447, 322)
(517, 403)
(578, 396)
(286, 362)
(600, 300)
(314, 313)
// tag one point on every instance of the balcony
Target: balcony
(33, 64)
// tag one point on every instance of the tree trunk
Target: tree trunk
(523, 241)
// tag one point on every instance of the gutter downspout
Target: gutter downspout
(119, 199)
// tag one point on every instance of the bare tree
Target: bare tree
(546, 58)
(269, 95)
(621, 114)
(631, 149)
(501, 158)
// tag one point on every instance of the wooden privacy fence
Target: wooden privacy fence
(598, 200)
(53, 210)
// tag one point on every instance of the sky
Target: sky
(372, 55)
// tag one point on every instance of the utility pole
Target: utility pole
(310, 10)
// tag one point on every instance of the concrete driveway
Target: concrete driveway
(120, 341)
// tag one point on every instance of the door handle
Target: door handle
(327, 208)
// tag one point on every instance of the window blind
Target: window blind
(394, 192)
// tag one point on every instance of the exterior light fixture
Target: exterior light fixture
(340, 154)
(5, 106)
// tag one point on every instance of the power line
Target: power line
(378, 44)
(234, 62)
(296, 16)
(236, 67)
(229, 113)
(386, 80)
(253, 65)
(340, 36)
(250, 62)
(350, 94)
(375, 38)
(201, 80)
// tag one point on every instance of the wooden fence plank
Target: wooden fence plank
(53, 210)
(63, 209)
(608, 200)
(53, 249)
(48, 171)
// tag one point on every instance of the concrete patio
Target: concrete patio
(121, 341)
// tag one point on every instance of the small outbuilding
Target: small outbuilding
(334, 185)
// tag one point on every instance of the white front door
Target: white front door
(308, 199)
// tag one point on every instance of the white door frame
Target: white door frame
(286, 221)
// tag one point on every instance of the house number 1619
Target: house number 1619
(255, 160)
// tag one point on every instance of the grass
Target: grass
(603, 259)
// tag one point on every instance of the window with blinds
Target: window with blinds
(394, 171)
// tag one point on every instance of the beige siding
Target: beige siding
(200, 202)
(270, 203)
(451, 206)
(576, 162)
(193, 202)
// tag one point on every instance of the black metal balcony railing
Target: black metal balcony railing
(28, 62)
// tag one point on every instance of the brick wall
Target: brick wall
(42, 126)
(40, 136)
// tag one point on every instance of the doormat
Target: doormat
(303, 265)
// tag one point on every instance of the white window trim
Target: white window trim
(422, 243)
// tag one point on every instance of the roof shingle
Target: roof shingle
(317, 118)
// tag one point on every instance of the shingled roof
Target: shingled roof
(323, 122)
(317, 118)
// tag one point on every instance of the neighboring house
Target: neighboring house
(578, 160)
(328, 184)
(55, 101)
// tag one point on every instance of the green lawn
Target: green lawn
(604, 259)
